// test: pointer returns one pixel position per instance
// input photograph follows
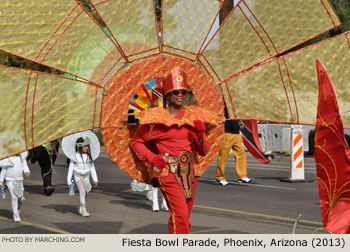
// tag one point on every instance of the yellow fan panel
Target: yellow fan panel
(290, 22)
(238, 46)
(172, 51)
(260, 29)
(142, 55)
(84, 50)
(62, 106)
(120, 64)
(335, 56)
(132, 24)
(264, 92)
(98, 108)
(12, 97)
(259, 94)
(29, 108)
(186, 23)
(208, 68)
(25, 26)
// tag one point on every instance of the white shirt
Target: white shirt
(83, 166)
(16, 171)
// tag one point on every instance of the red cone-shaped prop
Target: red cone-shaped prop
(332, 158)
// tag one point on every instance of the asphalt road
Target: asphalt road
(266, 206)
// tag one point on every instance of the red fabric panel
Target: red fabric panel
(251, 140)
(332, 158)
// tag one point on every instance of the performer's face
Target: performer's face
(85, 149)
(178, 97)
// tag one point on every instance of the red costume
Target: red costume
(190, 140)
(172, 140)
(170, 144)
(178, 180)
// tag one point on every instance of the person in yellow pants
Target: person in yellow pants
(232, 140)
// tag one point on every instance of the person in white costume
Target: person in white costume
(81, 165)
(137, 186)
(12, 172)
(151, 194)
(155, 206)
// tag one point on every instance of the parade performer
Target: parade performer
(151, 194)
(82, 149)
(232, 140)
(170, 139)
(12, 172)
(137, 186)
(46, 156)
(155, 203)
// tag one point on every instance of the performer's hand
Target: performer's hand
(95, 183)
(199, 127)
(159, 162)
(27, 174)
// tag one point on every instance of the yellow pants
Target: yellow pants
(235, 142)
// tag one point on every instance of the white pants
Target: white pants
(155, 198)
(16, 201)
(81, 188)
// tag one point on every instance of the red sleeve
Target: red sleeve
(202, 148)
(138, 143)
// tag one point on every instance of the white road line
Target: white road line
(279, 169)
(250, 184)
(270, 167)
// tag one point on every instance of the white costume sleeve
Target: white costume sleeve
(93, 173)
(2, 175)
(70, 172)
(25, 166)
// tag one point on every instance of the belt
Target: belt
(182, 166)
(176, 162)
(173, 164)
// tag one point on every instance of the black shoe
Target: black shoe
(49, 190)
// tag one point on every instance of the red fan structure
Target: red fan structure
(332, 156)
(68, 66)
